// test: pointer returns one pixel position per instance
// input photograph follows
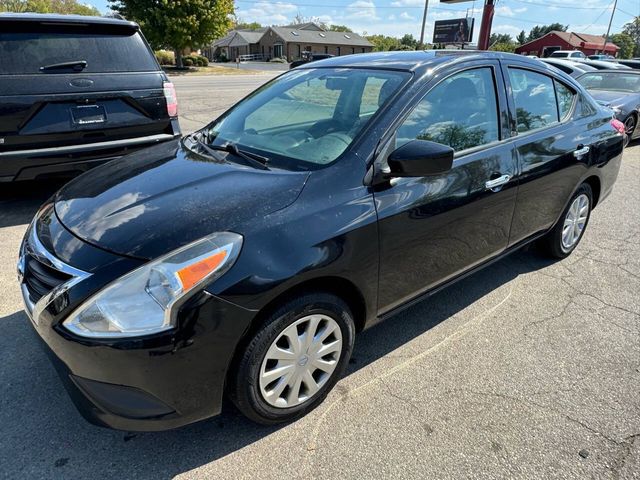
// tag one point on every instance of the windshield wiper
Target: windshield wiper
(77, 65)
(253, 159)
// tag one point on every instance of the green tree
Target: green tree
(48, 6)
(500, 38)
(240, 25)
(541, 31)
(625, 42)
(633, 30)
(383, 43)
(503, 47)
(521, 38)
(178, 24)
(409, 41)
(338, 28)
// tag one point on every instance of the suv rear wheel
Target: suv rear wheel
(294, 360)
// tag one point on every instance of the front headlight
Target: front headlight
(145, 300)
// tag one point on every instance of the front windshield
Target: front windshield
(306, 118)
(616, 82)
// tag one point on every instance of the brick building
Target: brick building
(552, 41)
(288, 42)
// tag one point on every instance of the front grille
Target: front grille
(40, 279)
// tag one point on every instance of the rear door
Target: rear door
(434, 228)
(554, 133)
(75, 83)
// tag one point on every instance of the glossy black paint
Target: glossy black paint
(378, 244)
(39, 137)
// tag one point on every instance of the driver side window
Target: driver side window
(461, 112)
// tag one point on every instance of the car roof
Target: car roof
(48, 18)
(413, 60)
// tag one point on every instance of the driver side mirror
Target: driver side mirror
(420, 158)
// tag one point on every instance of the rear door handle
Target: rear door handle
(497, 182)
(582, 150)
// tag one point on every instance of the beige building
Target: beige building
(288, 42)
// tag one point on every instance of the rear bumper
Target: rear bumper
(31, 164)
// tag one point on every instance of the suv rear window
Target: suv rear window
(24, 52)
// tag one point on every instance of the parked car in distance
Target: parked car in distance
(310, 57)
(77, 91)
(606, 65)
(573, 54)
(618, 90)
(243, 259)
(575, 69)
(602, 57)
(635, 64)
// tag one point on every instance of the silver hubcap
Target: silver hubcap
(300, 361)
(575, 222)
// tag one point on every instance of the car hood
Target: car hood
(161, 198)
(609, 98)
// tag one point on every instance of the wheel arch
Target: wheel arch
(341, 287)
(595, 183)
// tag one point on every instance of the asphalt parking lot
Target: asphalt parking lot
(528, 369)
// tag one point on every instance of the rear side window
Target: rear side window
(461, 111)
(535, 99)
(565, 100)
(26, 52)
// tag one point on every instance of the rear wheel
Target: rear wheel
(294, 359)
(565, 236)
(630, 125)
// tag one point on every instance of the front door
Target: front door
(433, 228)
(277, 51)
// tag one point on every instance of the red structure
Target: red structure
(587, 44)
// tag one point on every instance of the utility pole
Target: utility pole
(485, 26)
(424, 23)
(615, 4)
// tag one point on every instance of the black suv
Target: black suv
(77, 91)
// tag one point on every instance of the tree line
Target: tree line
(178, 25)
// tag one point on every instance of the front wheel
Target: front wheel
(294, 359)
(565, 236)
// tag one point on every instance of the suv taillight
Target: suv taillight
(172, 99)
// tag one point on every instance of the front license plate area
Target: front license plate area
(88, 114)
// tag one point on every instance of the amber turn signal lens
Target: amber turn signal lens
(195, 272)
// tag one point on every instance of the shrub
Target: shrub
(165, 57)
(197, 60)
(187, 62)
(222, 58)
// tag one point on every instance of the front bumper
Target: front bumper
(147, 383)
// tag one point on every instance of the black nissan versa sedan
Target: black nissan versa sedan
(77, 91)
(244, 258)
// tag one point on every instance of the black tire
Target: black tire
(244, 383)
(630, 125)
(551, 243)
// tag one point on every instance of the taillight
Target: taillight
(618, 125)
(172, 99)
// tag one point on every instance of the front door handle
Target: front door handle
(582, 150)
(497, 182)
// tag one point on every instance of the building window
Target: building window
(353, 49)
(362, 49)
(299, 52)
(338, 50)
(326, 49)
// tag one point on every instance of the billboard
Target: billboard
(457, 30)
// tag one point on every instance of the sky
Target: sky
(397, 17)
